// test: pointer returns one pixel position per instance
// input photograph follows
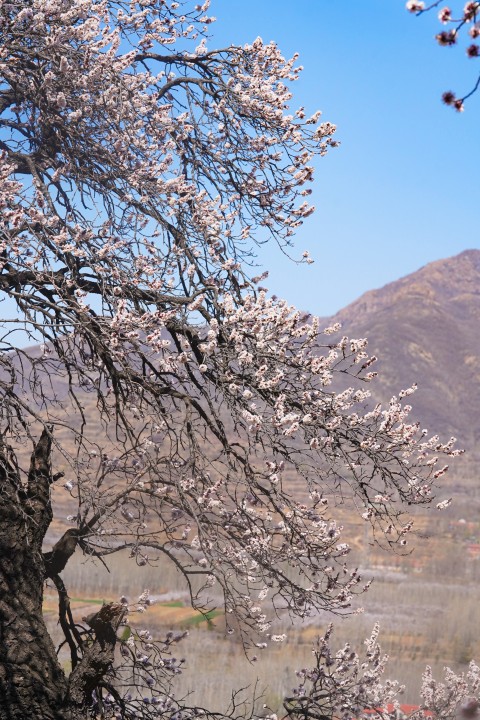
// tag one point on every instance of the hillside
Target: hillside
(424, 328)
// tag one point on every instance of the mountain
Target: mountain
(425, 329)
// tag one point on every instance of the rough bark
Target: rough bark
(32, 683)
(98, 658)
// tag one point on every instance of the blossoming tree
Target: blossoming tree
(191, 416)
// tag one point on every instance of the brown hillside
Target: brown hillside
(425, 329)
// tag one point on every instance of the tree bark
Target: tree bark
(32, 683)
(99, 656)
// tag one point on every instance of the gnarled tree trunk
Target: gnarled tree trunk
(32, 683)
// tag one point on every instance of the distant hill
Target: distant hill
(425, 329)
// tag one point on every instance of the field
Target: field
(427, 603)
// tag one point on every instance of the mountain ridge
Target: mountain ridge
(424, 330)
(424, 279)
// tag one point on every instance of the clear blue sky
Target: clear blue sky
(402, 190)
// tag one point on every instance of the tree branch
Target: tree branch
(99, 657)
(56, 560)
(37, 502)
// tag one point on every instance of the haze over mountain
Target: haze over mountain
(425, 329)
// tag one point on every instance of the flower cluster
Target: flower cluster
(457, 21)
(344, 684)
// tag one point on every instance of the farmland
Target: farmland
(427, 603)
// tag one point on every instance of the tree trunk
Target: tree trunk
(32, 683)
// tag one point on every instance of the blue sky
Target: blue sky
(402, 190)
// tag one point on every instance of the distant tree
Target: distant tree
(458, 23)
(191, 416)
